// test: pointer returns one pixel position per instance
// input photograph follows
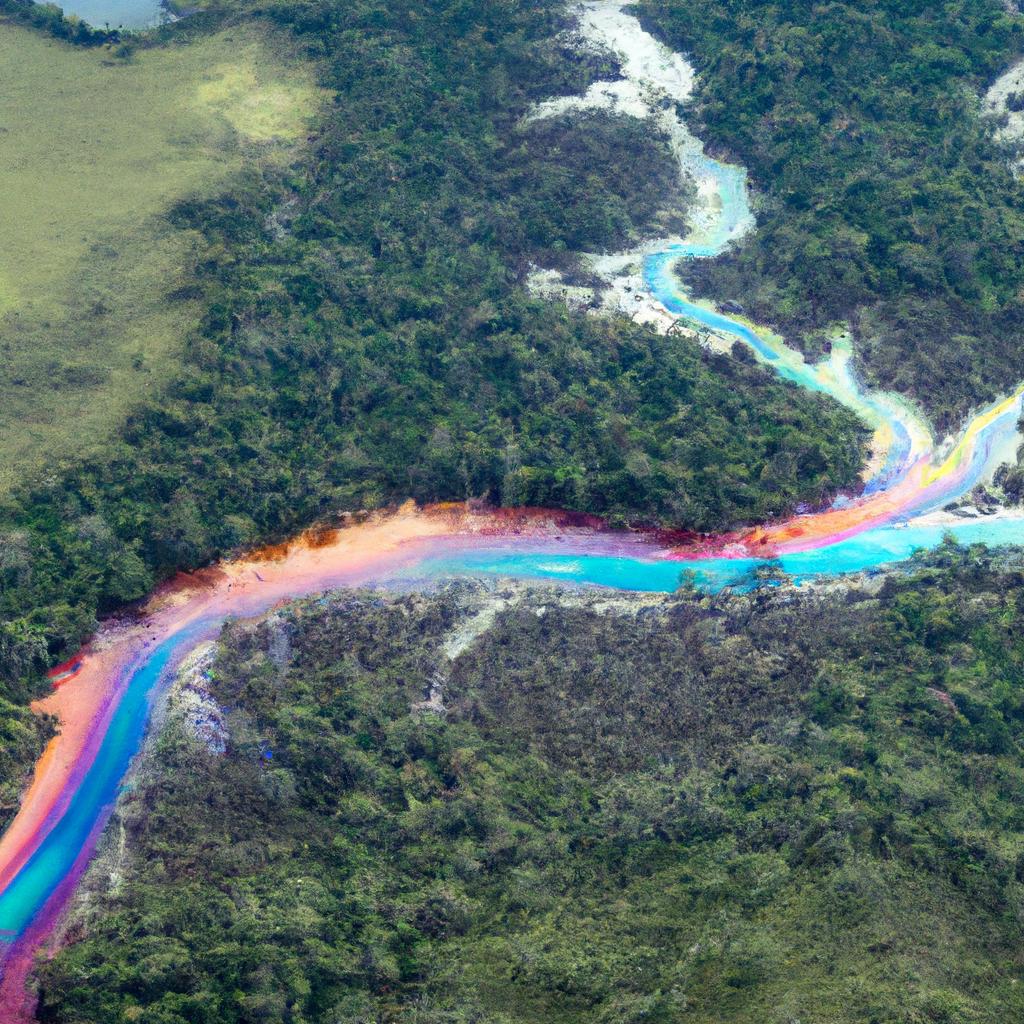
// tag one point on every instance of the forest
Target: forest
(785, 805)
(789, 804)
(365, 337)
(885, 201)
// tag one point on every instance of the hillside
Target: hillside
(332, 329)
(97, 294)
(767, 808)
(887, 200)
(364, 336)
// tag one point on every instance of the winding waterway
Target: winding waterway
(105, 696)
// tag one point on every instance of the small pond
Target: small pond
(129, 14)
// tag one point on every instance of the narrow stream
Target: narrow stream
(106, 701)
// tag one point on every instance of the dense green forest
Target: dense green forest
(885, 200)
(765, 808)
(366, 339)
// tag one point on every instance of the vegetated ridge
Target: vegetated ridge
(887, 201)
(365, 338)
(772, 807)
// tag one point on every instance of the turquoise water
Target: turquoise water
(94, 797)
(128, 14)
(605, 560)
(55, 857)
(866, 551)
(38, 889)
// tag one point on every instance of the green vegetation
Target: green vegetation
(365, 339)
(586, 183)
(94, 283)
(886, 202)
(738, 809)
(23, 735)
(764, 808)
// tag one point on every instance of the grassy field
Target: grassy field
(93, 151)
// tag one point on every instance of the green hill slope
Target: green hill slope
(766, 809)
(886, 200)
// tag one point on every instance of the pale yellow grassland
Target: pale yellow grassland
(93, 152)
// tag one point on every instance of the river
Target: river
(105, 696)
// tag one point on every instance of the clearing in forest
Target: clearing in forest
(94, 149)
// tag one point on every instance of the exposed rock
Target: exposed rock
(1003, 100)
(189, 701)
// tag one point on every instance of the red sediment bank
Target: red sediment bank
(87, 687)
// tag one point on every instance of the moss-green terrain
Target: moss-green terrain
(95, 298)
(229, 309)
(735, 810)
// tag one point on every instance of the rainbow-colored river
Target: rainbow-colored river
(105, 696)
